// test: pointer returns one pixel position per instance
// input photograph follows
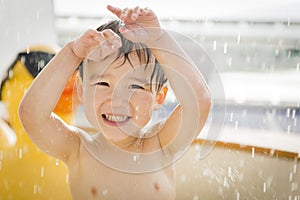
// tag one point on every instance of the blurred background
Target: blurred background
(255, 49)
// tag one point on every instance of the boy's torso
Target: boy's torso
(90, 179)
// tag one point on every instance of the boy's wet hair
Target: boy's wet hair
(143, 52)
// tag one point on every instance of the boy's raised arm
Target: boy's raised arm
(142, 25)
(46, 129)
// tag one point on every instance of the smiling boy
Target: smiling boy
(125, 67)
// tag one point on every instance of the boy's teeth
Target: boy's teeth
(115, 118)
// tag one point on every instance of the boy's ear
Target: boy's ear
(79, 87)
(161, 96)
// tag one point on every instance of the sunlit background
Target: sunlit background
(255, 47)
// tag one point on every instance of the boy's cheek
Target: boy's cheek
(142, 102)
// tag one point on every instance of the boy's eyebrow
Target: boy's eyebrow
(139, 79)
(97, 76)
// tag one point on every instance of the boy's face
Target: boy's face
(117, 98)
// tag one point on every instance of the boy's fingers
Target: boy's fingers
(112, 39)
(135, 13)
(124, 14)
(115, 10)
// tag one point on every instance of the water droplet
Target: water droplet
(20, 153)
(293, 113)
(42, 172)
(272, 151)
(225, 48)
(35, 188)
(294, 186)
(135, 158)
(236, 125)
(225, 183)
(289, 53)
(231, 117)
(277, 51)
(229, 171)
(56, 162)
(215, 45)
(104, 192)
(195, 197)
(237, 196)
(197, 147)
(238, 38)
(229, 62)
(288, 21)
(288, 110)
(265, 187)
(253, 152)
(295, 168)
(291, 177)
(288, 129)
(183, 178)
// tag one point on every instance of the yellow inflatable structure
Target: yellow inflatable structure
(25, 171)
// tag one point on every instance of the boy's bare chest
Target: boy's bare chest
(90, 179)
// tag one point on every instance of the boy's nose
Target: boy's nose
(120, 98)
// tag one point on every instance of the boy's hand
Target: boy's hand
(140, 24)
(96, 45)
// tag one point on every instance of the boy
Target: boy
(119, 90)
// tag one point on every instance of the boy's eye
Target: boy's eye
(102, 84)
(133, 86)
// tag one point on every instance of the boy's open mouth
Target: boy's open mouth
(115, 120)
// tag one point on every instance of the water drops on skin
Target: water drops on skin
(183, 178)
(104, 192)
